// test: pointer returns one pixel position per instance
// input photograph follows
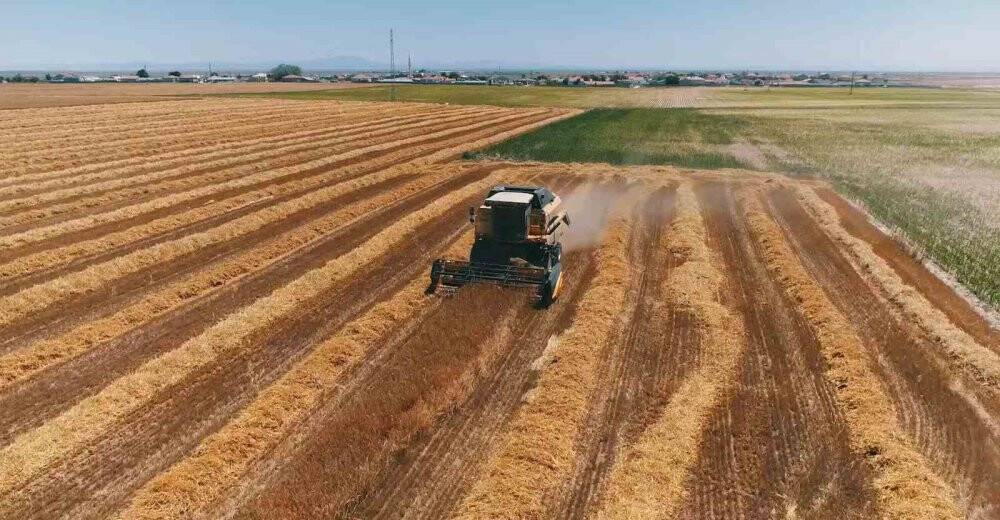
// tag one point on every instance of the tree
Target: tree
(174, 73)
(142, 73)
(48, 77)
(286, 70)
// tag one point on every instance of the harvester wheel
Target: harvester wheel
(545, 296)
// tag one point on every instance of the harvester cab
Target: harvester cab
(518, 244)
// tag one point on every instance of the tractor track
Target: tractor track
(654, 348)
(778, 445)
(939, 413)
(434, 470)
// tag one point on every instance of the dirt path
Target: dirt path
(778, 446)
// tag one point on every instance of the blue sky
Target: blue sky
(775, 34)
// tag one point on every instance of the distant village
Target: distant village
(590, 79)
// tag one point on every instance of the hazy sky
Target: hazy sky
(779, 34)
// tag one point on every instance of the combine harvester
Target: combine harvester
(518, 233)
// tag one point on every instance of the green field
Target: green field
(925, 162)
(681, 136)
(509, 96)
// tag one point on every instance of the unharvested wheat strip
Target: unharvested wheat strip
(168, 129)
(976, 360)
(267, 152)
(647, 481)
(24, 363)
(220, 463)
(537, 451)
(88, 221)
(905, 485)
(171, 159)
(357, 149)
(30, 453)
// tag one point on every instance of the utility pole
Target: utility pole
(851, 92)
(392, 54)
(409, 65)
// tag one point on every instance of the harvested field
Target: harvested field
(211, 320)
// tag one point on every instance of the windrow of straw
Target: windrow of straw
(269, 181)
(221, 463)
(905, 485)
(648, 480)
(30, 453)
(252, 140)
(40, 355)
(182, 128)
(537, 451)
(454, 132)
(69, 134)
(28, 300)
(360, 144)
(185, 152)
(976, 360)
(53, 119)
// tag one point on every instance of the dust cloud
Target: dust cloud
(589, 208)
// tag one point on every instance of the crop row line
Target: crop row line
(905, 485)
(140, 132)
(30, 453)
(247, 155)
(186, 151)
(648, 480)
(115, 190)
(537, 451)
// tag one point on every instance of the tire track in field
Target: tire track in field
(935, 410)
(913, 272)
(125, 449)
(152, 184)
(640, 363)
(778, 444)
(430, 475)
